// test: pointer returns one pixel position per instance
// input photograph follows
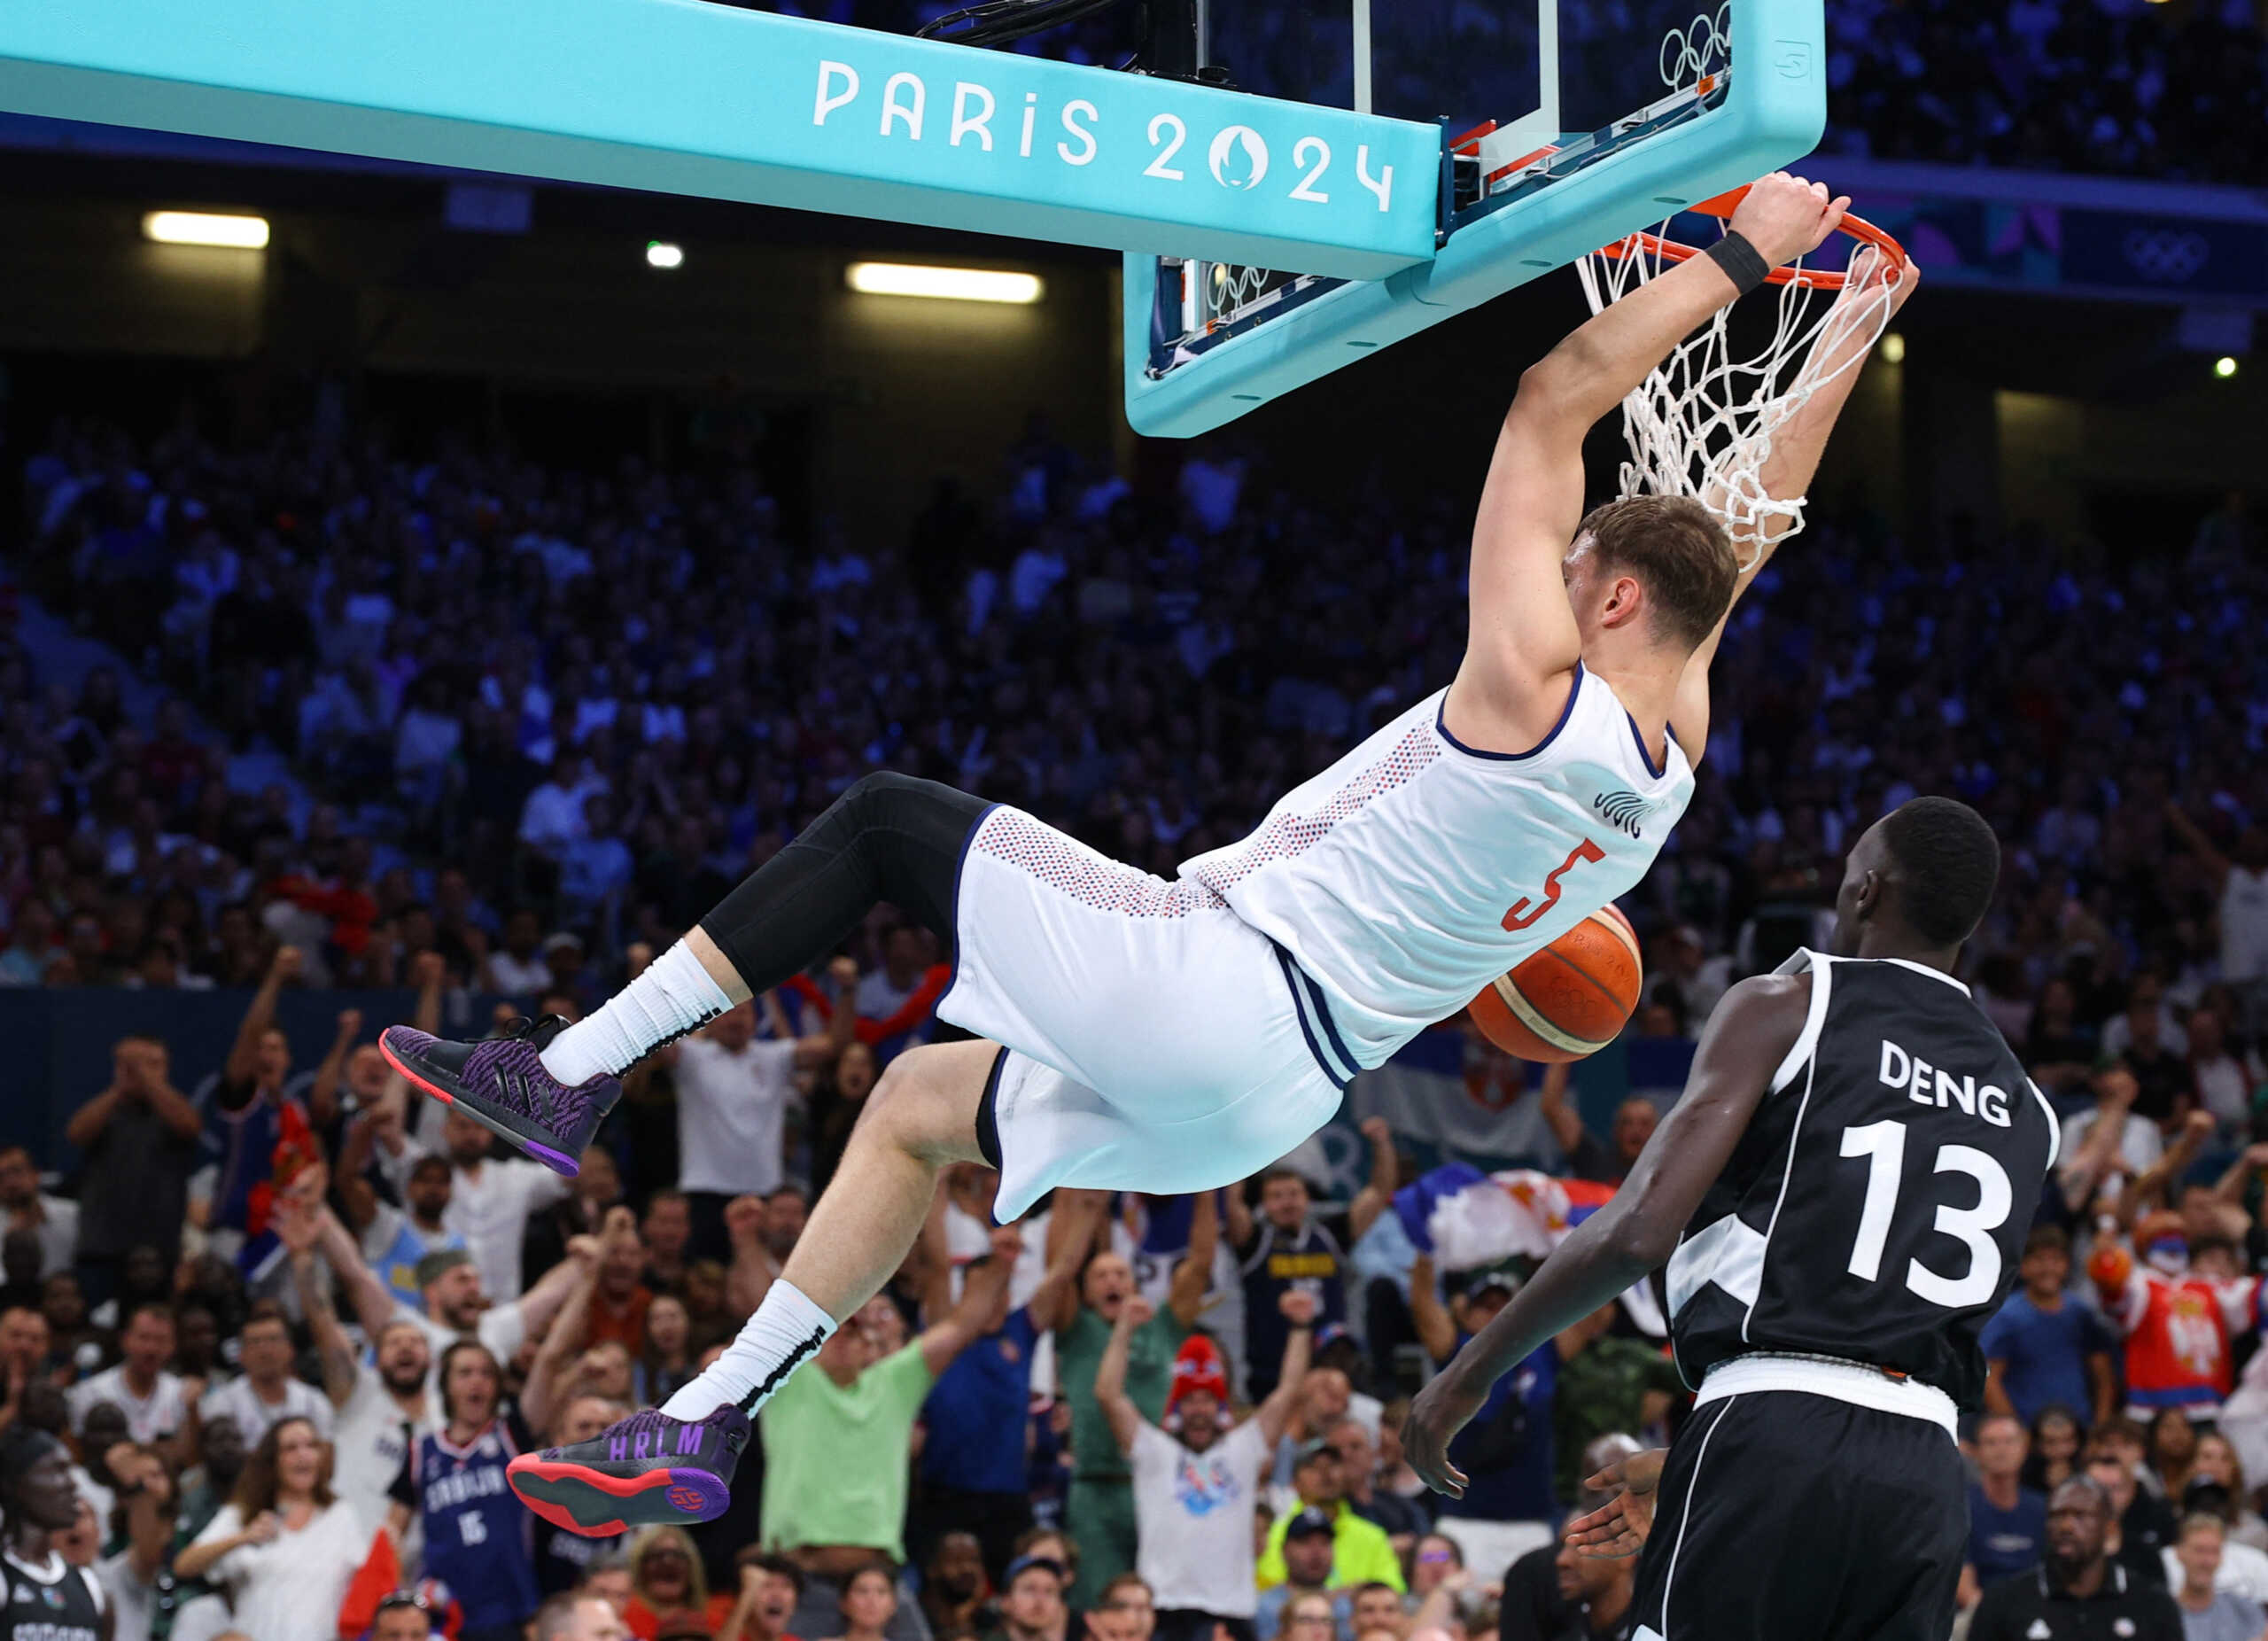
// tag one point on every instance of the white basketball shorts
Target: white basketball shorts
(1154, 1040)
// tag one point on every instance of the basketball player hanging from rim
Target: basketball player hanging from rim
(1141, 1034)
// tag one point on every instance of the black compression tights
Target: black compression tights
(889, 837)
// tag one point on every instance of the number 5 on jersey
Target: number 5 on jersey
(1522, 914)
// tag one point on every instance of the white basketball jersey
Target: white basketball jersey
(1415, 870)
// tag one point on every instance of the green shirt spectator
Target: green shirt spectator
(837, 1436)
(1602, 1389)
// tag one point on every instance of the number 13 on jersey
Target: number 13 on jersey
(1883, 1146)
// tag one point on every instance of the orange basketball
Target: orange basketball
(1569, 998)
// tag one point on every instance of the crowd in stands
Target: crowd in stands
(2121, 88)
(295, 1322)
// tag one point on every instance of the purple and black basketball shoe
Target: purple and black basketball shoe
(649, 1469)
(501, 1084)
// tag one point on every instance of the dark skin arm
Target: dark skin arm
(1745, 1042)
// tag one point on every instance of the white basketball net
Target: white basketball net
(1702, 424)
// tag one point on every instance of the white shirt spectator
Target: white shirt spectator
(1192, 1514)
(132, 1602)
(1033, 576)
(101, 1498)
(489, 1205)
(2244, 926)
(515, 978)
(880, 996)
(1211, 489)
(2225, 1091)
(373, 1443)
(553, 816)
(58, 1233)
(731, 1116)
(2140, 1145)
(291, 1588)
(148, 1419)
(424, 740)
(237, 1401)
(2244, 1571)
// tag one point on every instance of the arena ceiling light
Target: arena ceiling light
(955, 284)
(205, 228)
(2224, 367)
(1893, 349)
(662, 253)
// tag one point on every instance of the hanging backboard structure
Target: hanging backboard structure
(1409, 160)
(1567, 124)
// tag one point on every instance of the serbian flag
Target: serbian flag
(296, 1148)
(1468, 1220)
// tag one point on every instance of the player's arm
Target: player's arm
(1751, 1031)
(1836, 359)
(1521, 643)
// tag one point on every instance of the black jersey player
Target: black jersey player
(1841, 1199)
(45, 1598)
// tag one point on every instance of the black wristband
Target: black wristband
(1739, 260)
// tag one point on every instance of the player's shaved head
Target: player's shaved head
(1923, 875)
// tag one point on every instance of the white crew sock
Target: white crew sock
(786, 1331)
(674, 995)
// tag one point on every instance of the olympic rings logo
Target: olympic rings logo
(1699, 48)
(2171, 254)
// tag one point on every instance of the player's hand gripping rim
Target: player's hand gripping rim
(1618, 1527)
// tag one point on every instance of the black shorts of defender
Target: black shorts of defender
(1786, 1516)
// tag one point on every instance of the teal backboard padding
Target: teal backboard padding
(682, 97)
(1773, 113)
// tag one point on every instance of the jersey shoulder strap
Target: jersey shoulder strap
(1819, 967)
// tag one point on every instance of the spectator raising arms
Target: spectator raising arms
(836, 1441)
(1291, 1245)
(1099, 1511)
(732, 1101)
(1191, 1485)
(973, 1460)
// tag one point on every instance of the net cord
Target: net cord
(1703, 421)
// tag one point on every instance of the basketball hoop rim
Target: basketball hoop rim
(1723, 205)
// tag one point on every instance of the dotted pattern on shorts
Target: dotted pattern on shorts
(1041, 851)
(1288, 835)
